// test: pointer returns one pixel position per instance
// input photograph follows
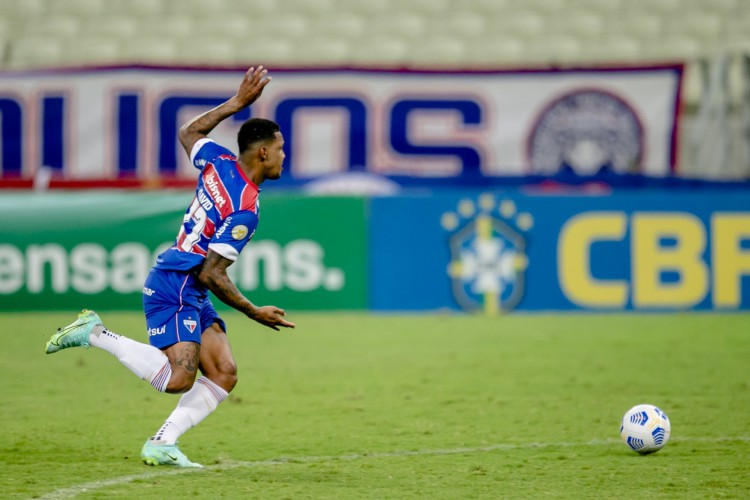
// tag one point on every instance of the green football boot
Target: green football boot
(75, 334)
(165, 454)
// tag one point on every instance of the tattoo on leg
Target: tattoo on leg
(188, 358)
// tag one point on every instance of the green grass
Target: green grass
(394, 407)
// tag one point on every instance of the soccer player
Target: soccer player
(185, 333)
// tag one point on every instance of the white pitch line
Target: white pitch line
(75, 490)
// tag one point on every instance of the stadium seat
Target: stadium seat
(426, 6)
(639, 25)
(692, 83)
(407, 25)
(63, 27)
(237, 28)
(372, 6)
(615, 49)
(116, 27)
(521, 23)
(33, 52)
(179, 26)
(730, 7)
(91, 50)
(495, 50)
(485, 7)
(267, 51)
(381, 51)
(347, 25)
(546, 7)
(28, 9)
(437, 51)
(207, 50)
(143, 9)
(255, 9)
(601, 7)
(81, 8)
(656, 7)
(704, 27)
(314, 7)
(320, 50)
(463, 25)
(150, 50)
(675, 48)
(583, 24)
(7, 30)
(556, 49)
(294, 26)
(198, 8)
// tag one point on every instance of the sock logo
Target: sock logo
(190, 324)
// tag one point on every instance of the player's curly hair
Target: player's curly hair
(255, 130)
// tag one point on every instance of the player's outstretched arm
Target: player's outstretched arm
(253, 83)
(214, 276)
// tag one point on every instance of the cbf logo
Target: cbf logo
(586, 131)
(488, 256)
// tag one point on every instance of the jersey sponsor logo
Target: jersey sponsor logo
(157, 331)
(204, 200)
(239, 232)
(190, 324)
(488, 258)
(587, 131)
(213, 186)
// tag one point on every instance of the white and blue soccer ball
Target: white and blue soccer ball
(645, 429)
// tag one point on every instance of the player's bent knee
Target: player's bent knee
(181, 381)
(225, 376)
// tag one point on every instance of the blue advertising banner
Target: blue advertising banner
(655, 250)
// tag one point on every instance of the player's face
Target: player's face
(275, 161)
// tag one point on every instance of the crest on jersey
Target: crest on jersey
(190, 324)
(586, 131)
(239, 232)
(488, 253)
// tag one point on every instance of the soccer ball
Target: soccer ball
(645, 429)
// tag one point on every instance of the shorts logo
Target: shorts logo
(148, 291)
(190, 324)
(157, 331)
(239, 232)
(488, 260)
(586, 131)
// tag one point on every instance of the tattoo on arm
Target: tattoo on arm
(203, 124)
(214, 276)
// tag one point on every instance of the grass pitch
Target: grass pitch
(393, 407)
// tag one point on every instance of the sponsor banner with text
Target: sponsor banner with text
(494, 252)
(415, 126)
(477, 251)
(93, 250)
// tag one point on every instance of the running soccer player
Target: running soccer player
(185, 333)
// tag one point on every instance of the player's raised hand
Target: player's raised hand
(272, 317)
(252, 85)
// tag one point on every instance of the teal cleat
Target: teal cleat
(75, 334)
(165, 454)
